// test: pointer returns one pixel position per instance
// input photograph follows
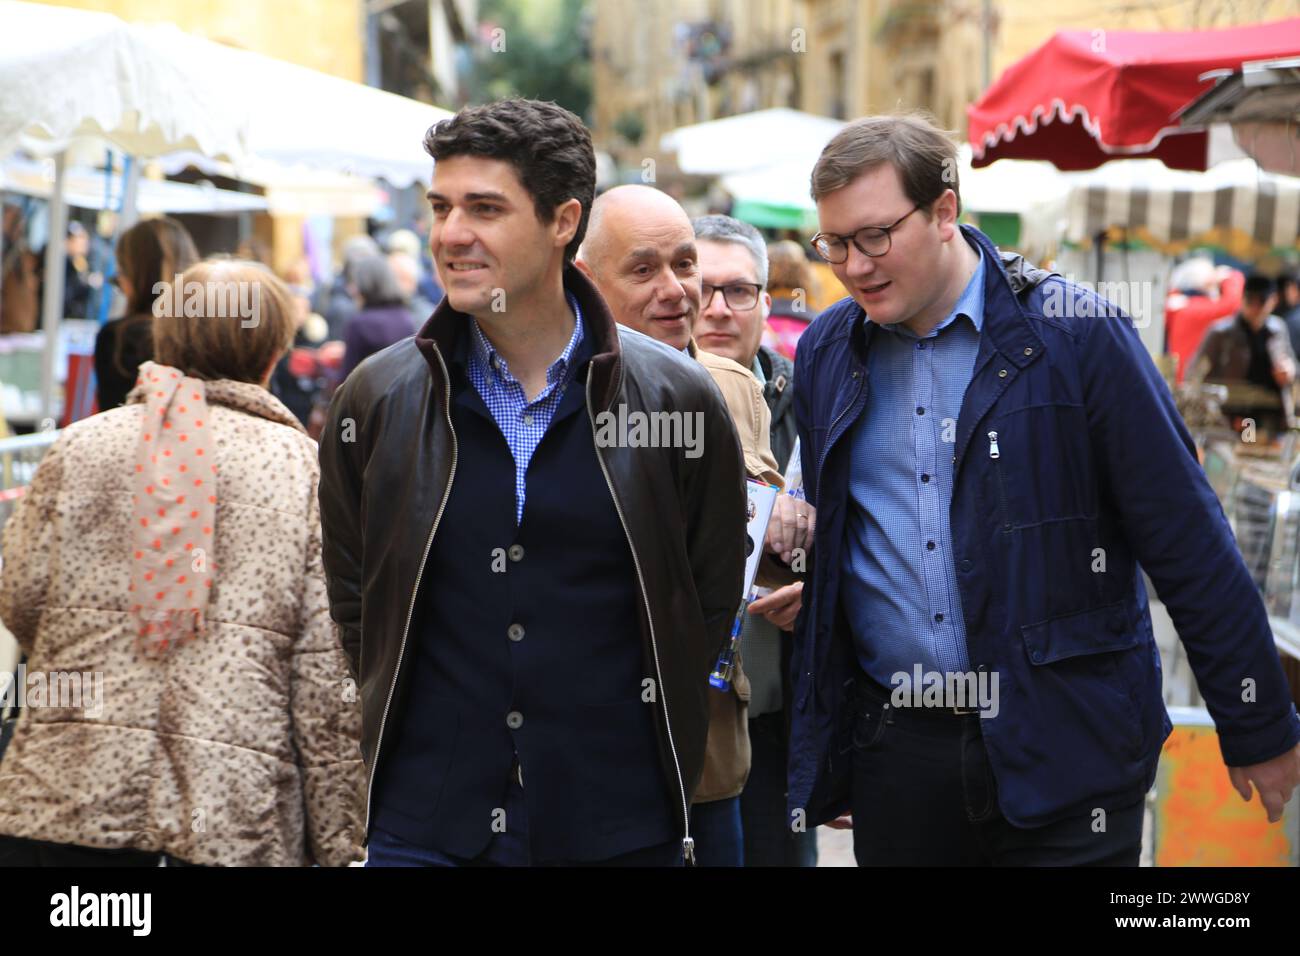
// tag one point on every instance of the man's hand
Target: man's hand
(840, 823)
(780, 607)
(1283, 372)
(791, 526)
(1275, 780)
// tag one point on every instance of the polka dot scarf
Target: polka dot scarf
(175, 507)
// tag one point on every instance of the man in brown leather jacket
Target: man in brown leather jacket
(531, 606)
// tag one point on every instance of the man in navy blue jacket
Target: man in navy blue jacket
(993, 455)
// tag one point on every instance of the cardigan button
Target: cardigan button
(514, 720)
(515, 632)
(516, 552)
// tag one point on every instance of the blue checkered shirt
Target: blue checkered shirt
(522, 423)
(901, 593)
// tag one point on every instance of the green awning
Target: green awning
(774, 215)
(1001, 227)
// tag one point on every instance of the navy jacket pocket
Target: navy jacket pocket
(1041, 465)
(1095, 631)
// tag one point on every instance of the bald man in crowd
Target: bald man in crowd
(640, 251)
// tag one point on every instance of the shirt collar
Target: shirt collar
(486, 356)
(970, 304)
(757, 369)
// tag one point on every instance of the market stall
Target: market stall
(749, 141)
(1126, 222)
(68, 75)
(1261, 102)
(1086, 97)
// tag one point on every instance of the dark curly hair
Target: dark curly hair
(548, 146)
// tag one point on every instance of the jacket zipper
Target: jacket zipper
(688, 844)
(401, 651)
(995, 454)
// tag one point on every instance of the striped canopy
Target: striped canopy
(1234, 206)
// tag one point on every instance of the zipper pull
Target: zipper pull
(994, 452)
(688, 850)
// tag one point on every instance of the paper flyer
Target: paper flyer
(762, 498)
(794, 473)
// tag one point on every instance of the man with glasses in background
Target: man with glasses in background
(734, 306)
(992, 455)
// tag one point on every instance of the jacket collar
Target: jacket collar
(242, 396)
(1005, 323)
(443, 331)
(1006, 329)
(776, 369)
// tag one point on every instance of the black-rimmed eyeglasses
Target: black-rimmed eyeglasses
(873, 241)
(739, 296)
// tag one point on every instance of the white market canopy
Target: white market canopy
(777, 196)
(67, 73)
(774, 197)
(85, 189)
(299, 117)
(154, 89)
(290, 190)
(749, 141)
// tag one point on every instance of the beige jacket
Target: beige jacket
(727, 754)
(237, 748)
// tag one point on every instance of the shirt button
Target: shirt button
(516, 552)
(514, 720)
(920, 345)
(528, 419)
(925, 477)
(929, 546)
(1002, 373)
(920, 410)
(939, 617)
(515, 632)
(1029, 351)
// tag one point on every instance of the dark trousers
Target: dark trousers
(509, 846)
(924, 795)
(716, 830)
(18, 851)
(769, 840)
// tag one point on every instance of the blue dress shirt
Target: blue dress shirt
(522, 423)
(901, 594)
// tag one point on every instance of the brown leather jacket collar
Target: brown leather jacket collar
(446, 325)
